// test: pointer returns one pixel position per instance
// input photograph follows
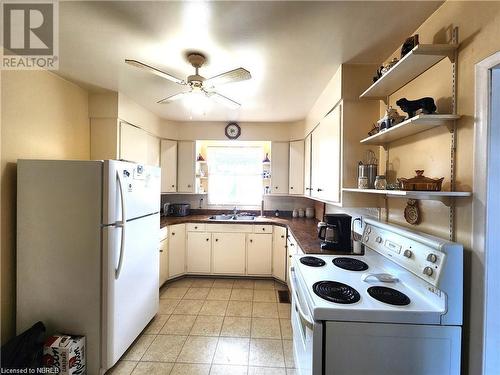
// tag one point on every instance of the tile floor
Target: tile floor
(217, 327)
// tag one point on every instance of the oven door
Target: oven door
(307, 334)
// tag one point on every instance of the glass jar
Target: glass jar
(363, 182)
(380, 183)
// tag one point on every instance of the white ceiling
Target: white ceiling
(292, 49)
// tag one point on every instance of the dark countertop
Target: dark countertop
(303, 230)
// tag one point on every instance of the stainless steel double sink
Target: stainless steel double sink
(232, 217)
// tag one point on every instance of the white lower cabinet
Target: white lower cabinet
(176, 250)
(228, 253)
(163, 261)
(223, 249)
(279, 253)
(259, 254)
(199, 246)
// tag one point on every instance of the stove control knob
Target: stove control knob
(408, 253)
(432, 258)
(428, 271)
(367, 238)
(368, 230)
(378, 239)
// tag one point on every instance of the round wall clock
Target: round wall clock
(232, 130)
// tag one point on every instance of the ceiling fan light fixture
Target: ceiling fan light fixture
(196, 102)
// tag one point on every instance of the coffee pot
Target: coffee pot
(335, 232)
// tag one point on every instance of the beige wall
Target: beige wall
(479, 29)
(43, 116)
(250, 131)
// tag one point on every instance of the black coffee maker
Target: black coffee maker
(335, 232)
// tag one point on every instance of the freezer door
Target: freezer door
(129, 188)
(130, 295)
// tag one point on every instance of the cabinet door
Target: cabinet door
(279, 167)
(185, 166)
(198, 252)
(168, 163)
(163, 261)
(330, 156)
(279, 253)
(228, 253)
(315, 161)
(177, 250)
(153, 150)
(259, 254)
(296, 168)
(133, 143)
(326, 157)
(307, 165)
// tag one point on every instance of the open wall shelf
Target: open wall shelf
(409, 127)
(417, 61)
(443, 196)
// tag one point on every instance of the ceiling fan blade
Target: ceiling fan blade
(172, 98)
(223, 100)
(235, 75)
(158, 72)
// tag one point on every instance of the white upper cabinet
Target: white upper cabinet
(279, 167)
(138, 146)
(296, 168)
(168, 164)
(307, 165)
(326, 157)
(186, 166)
(133, 143)
(152, 150)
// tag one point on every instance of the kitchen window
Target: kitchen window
(234, 175)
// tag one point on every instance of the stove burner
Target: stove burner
(312, 261)
(334, 291)
(350, 264)
(389, 295)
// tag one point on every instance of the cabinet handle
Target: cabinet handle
(189, 186)
(195, 227)
(216, 240)
(161, 251)
(173, 233)
(251, 240)
(276, 187)
(318, 189)
(208, 239)
(173, 185)
(263, 229)
(291, 187)
(282, 236)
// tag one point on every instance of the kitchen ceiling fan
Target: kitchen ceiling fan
(198, 84)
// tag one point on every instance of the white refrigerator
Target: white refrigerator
(87, 251)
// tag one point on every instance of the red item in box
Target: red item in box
(65, 353)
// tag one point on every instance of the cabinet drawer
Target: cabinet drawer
(163, 233)
(263, 229)
(195, 227)
(230, 228)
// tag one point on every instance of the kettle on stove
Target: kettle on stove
(335, 232)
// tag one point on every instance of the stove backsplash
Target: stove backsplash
(372, 213)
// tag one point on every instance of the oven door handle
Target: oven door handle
(298, 307)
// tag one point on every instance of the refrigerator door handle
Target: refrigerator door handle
(121, 224)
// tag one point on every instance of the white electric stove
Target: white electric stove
(397, 309)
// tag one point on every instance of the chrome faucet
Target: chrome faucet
(235, 211)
